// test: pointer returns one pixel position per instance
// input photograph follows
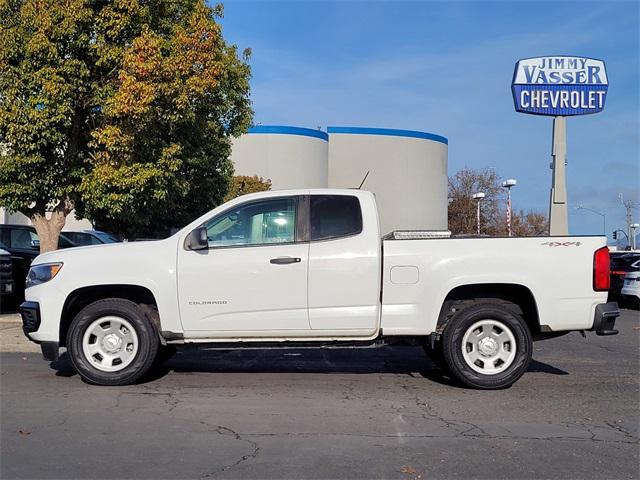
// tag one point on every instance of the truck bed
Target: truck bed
(418, 273)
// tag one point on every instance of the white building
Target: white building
(16, 218)
(291, 157)
(407, 169)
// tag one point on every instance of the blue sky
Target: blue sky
(446, 68)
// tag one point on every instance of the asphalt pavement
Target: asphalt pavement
(366, 413)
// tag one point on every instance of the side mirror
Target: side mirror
(197, 239)
(35, 243)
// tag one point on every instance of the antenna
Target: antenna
(364, 179)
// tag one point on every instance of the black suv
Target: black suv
(6, 278)
(22, 242)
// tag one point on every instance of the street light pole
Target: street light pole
(604, 217)
(629, 206)
(633, 228)
(478, 198)
(508, 184)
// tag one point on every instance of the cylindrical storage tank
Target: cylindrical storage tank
(291, 157)
(408, 173)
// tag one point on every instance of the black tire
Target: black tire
(627, 301)
(147, 338)
(452, 340)
(8, 303)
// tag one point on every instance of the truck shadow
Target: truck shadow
(385, 360)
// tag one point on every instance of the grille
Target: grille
(5, 266)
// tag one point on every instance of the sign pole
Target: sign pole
(558, 215)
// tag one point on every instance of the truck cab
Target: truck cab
(294, 266)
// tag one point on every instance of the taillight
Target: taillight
(601, 270)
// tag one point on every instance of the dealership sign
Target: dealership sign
(559, 86)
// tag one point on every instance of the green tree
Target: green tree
(121, 110)
(243, 184)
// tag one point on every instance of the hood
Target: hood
(92, 251)
(4, 252)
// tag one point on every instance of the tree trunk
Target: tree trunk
(49, 228)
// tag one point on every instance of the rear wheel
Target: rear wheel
(487, 346)
(112, 342)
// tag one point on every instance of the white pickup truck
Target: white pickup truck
(311, 268)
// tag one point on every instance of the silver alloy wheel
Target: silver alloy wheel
(110, 343)
(489, 347)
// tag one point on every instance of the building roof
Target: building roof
(310, 132)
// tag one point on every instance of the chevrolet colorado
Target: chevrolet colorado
(311, 268)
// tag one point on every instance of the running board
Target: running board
(295, 345)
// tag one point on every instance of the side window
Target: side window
(71, 236)
(77, 239)
(335, 216)
(23, 238)
(256, 223)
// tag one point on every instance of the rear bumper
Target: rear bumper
(605, 319)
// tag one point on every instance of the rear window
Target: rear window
(335, 216)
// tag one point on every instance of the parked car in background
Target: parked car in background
(6, 277)
(23, 244)
(82, 238)
(622, 263)
(631, 288)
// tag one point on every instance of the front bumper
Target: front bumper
(605, 319)
(30, 313)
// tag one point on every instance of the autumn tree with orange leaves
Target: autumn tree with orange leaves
(122, 110)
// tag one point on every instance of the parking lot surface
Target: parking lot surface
(366, 413)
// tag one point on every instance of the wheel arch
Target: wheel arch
(81, 297)
(508, 294)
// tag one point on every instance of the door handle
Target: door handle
(285, 260)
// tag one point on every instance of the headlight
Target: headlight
(42, 273)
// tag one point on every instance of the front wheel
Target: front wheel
(487, 346)
(112, 342)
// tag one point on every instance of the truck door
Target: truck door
(252, 278)
(344, 264)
